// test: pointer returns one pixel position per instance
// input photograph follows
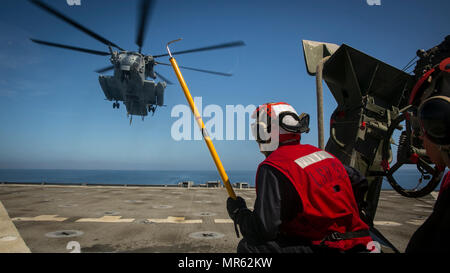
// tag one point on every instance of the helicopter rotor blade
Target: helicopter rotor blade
(74, 24)
(145, 9)
(163, 78)
(85, 50)
(201, 70)
(111, 67)
(213, 47)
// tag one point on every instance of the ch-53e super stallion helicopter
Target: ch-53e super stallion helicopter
(131, 69)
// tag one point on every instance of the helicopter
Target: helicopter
(129, 82)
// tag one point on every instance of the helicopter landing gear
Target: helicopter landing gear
(152, 108)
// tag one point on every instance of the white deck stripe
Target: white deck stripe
(116, 219)
(41, 218)
(105, 219)
(416, 222)
(223, 221)
(175, 220)
(386, 223)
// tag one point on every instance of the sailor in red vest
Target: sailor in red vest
(304, 198)
(432, 96)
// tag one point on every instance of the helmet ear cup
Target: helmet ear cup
(261, 128)
(260, 132)
(264, 134)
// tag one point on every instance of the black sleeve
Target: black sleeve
(432, 235)
(359, 184)
(276, 201)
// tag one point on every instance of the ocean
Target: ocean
(405, 177)
(119, 177)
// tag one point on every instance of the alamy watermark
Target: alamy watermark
(215, 119)
(73, 2)
(233, 123)
(373, 2)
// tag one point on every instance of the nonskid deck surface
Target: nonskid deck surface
(157, 219)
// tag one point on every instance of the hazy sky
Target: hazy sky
(53, 113)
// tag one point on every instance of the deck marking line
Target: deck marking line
(41, 218)
(386, 223)
(11, 241)
(105, 219)
(223, 221)
(175, 220)
(416, 222)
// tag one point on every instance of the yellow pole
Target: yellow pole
(201, 125)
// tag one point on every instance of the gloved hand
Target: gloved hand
(233, 206)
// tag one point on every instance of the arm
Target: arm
(360, 187)
(359, 183)
(262, 224)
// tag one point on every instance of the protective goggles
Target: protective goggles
(261, 128)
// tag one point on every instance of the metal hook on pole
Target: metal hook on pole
(167, 46)
(201, 125)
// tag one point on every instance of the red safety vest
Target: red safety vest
(326, 194)
(445, 183)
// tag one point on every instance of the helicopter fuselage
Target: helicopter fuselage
(130, 85)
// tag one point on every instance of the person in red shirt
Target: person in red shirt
(304, 198)
(432, 94)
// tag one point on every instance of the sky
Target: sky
(53, 113)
